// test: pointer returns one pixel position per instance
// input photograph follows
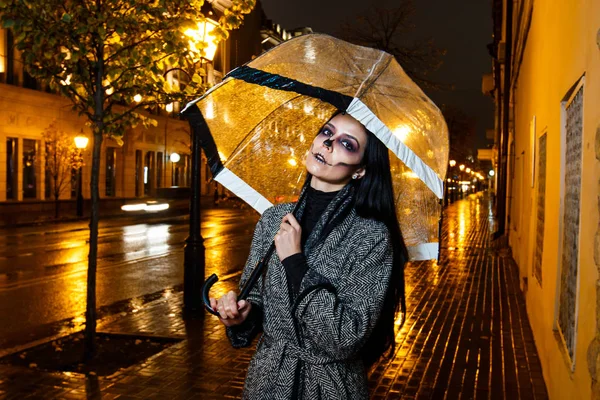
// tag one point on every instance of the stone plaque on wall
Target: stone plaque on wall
(570, 241)
(541, 209)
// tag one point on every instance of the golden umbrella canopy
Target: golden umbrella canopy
(264, 115)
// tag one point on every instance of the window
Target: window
(111, 165)
(47, 177)
(159, 169)
(148, 173)
(14, 68)
(138, 171)
(175, 174)
(2, 55)
(12, 165)
(29, 175)
(186, 177)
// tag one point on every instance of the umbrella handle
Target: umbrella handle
(248, 285)
(211, 280)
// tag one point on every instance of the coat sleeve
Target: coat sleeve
(243, 334)
(338, 320)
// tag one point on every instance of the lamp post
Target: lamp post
(204, 34)
(81, 142)
(193, 255)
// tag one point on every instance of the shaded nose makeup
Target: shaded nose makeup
(328, 143)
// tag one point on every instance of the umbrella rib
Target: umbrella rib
(372, 82)
(243, 144)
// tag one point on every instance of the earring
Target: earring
(355, 176)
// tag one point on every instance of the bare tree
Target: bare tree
(61, 158)
(461, 129)
(391, 30)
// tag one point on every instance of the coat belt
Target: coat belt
(305, 355)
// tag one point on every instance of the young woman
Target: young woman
(327, 302)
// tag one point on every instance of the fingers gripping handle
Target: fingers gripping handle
(243, 293)
(252, 279)
(247, 287)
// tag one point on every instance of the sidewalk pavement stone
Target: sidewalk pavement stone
(465, 335)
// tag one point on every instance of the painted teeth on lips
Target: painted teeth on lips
(319, 157)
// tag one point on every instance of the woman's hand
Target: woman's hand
(287, 239)
(231, 311)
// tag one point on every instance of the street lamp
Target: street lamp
(81, 142)
(452, 163)
(203, 34)
(193, 256)
(174, 159)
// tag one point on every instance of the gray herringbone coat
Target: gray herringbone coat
(310, 344)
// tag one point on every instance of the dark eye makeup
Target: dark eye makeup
(348, 144)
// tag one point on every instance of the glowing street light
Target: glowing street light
(81, 141)
(452, 163)
(174, 160)
(461, 167)
(205, 35)
(492, 172)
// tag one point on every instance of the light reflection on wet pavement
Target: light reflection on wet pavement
(465, 335)
(43, 270)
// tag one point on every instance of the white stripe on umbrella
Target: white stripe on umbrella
(241, 189)
(362, 113)
(424, 251)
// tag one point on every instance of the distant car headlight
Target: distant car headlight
(157, 207)
(151, 206)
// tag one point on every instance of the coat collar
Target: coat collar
(339, 208)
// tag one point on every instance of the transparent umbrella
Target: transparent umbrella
(262, 118)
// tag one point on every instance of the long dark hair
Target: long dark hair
(374, 199)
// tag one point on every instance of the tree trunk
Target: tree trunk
(90, 312)
(55, 206)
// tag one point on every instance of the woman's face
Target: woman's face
(336, 153)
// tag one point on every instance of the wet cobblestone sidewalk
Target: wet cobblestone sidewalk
(465, 336)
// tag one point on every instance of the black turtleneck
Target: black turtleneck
(295, 265)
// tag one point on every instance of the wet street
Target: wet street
(465, 336)
(43, 269)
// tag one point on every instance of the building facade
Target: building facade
(547, 94)
(146, 160)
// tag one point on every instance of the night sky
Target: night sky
(463, 28)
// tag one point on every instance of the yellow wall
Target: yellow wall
(561, 47)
